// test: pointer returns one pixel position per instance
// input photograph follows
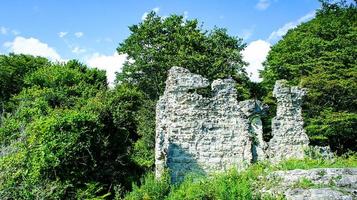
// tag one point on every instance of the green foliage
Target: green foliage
(339, 128)
(150, 189)
(230, 185)
(61, 140)
(89, 192)
(65, 135)
(233, 184)
(53, 148)
(143, 152)
(223, 186)
(320, 55)
(157, 44)
(346, 160)
(303, 183)
(134, 113)
(125, 104)
(72, 80)
(13, 69)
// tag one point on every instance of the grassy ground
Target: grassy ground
(228, 185)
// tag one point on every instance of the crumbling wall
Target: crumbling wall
(289, 137)
(205, 135)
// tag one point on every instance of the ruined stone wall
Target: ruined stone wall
(289, 137)
(205, 135)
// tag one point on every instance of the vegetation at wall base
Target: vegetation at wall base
(232, 184)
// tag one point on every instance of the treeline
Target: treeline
(65, 135)
(321, 56)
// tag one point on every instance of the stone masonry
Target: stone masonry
(289, 137)
(204, 135)
(330, 184)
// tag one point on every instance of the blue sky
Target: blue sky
(90, 30)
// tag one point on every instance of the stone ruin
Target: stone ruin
(205, 135)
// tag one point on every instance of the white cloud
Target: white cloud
(62, 34)
(185, 15)
(32, 46)
(278, 34)
(156, 10)
(262, 4)
(111, 64)
(3, 30)
(306, 17)
(78, 34)
(78, 50)
(143, 17)
(255, 54)
(15, 32)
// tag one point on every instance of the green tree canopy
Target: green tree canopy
(321, 56)
(61, 139)
(157, 44)
(13, 68)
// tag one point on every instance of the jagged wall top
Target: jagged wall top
(200, 134)
(182, 80)
(289, 137)
(288, 98)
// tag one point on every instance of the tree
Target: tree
(13, 68)
(321, 56)
(61, 140)
(157, 44)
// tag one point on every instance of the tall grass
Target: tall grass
(347, 160)
(232, 184)
(150, 188)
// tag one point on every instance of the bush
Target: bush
(150, 188)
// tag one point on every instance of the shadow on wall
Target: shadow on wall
(182, 163)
